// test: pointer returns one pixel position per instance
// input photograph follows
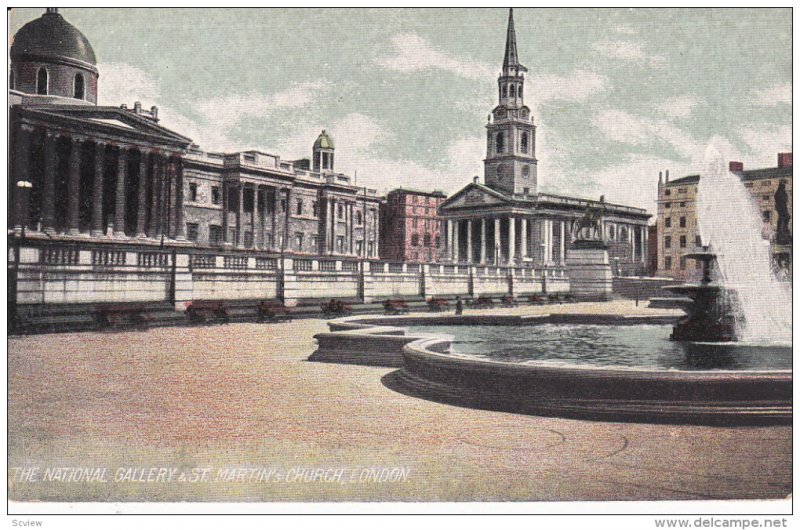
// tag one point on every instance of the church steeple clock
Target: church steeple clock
(510, 164)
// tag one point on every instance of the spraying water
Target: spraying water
(730, 223)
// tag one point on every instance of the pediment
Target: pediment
(475, 195)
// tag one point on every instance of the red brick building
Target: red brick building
(411, 230)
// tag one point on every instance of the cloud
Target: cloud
(678, 107)
(773, 96)
(626, 128)
(627, 51)
(764, 142)
(624, 29)
(578, 85)
(412, 53)
(120, 82)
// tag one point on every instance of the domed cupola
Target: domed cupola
(51, 57)
(323, 152)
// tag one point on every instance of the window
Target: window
(359, 219)
(683, 205)
(299, 207)
(438, 241)
(215, 196)
(683, 263)
(748, 185)
(340, 211)
(415, 240)
(192, 191)
(359, 247)
(426, 240)
(314, 242)
(499, 143)
(41, 82)
(765, 198)
(513, 91)
(683, 241)
(215, 235)
(668, 262)
(248, 239)
(298, 241)
(284, 205)
(80, 89)
(767, 215)
(667, 222)
(681, 190)
(682, 222)
(340, 244)
(667, 242)
(192, 231)
(315, 208)
(267, 240)
(698, 241)
(667, 205)
(371, 248)
(667, 192)
(519, 93)
(524, 143)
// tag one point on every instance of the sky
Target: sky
(617, 94)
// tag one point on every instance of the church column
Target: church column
(498, 252)
(225, 200)
(141, 196)
(239, 215)
(456, 242)
(450, 239)
(49, 184)
(643, 245)
(74, 187)
(258, 235)
(512, 236)
(120, 204)
(161, 218)
(152, 228)
(180, 225)
(22, 171)
(97, 190)
(523, 251)
(253, 239)
(562, 257)
(326, 249)
(632, 237)
(483, 241)
(288, 229)
(469, 241)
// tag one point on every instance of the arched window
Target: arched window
(415, 240)
(11, 81)
(499, 143)
(80, 89)
(512, 91)
(505, 91)
(41, 82)
(524, 143)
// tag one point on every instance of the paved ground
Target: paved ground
(242, 396)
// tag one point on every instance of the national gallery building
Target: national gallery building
(507, 220)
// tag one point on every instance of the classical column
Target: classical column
(141, 196)
(22, 155)
(326, 249)
(97, 189)
(253, 218)
(274, 196)
(562, 256)
(49, 184)
(225, 201)
(643, 245)
(632, 237)
(456, 245)
(498, 246)
(172, 209)
(152, 229)
(240, 215)
(74, 187)
(483, 241)
(523, 238)
(287, 229)
(512, 237)
(122, 177)
(469, 241)
(161, 179)
(180, 225)
(449, 239)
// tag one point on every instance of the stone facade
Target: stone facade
(412, 230)
(676, 223)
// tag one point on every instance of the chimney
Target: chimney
(784, 159)
(666, 177)
(475, 179)
(735, 167)
(137, 107)
(154, 112)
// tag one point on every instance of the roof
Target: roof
(511, 59)
(748, 175)
(324, 141)
(435, 193)
(50, 38)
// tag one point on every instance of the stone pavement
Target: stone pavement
(241, 402)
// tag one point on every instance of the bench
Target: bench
(273, 311)
(395, 307)
(124, 314)
(207, 311)
(508, 301)
(336, 307)
(537, 299)
(483, 302)
(438, 305)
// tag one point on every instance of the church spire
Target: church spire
(510, 60)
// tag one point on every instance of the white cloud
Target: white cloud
(764, 142)
(412, 53)
(578, 85)
(678, 107)
(628, 129)
(624, 29)
(774, 95)
(123, 83)
(627, 51)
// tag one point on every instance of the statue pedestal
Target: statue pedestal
(589, 271)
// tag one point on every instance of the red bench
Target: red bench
(336, 307)
(438, 305)
(483, 302)
(117, 315)
(207, 311)
(395, 307)
(508, 301)
(273, 311)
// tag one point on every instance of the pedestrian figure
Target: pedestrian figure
(459, 305)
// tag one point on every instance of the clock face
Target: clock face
(505, 171)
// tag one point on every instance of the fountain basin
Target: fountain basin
(430, 370)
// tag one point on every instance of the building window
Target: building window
(371, 248)
(667, 192)
(215, 235)
(668, 262)
(359, 218)
(339, 244)
(698, 240)
(683, 205)
(284, 205)
(248, 239)
(267, 240)
(499, 143)
(524, 143)
(299, 207)
(192, 231)
(681, 190)
(426, 240)
(623, 234)
(340, 211)
(667, 242)
(80, 89)
(667, 222)
(315, 208)
(519, 93)
(767, 215)
(359, 247)
(193, 192)
(513, 91)
(298, 241)
(314, 242)
(683, 241)
(41, 82)
(765, 198)
(215, 196)
(682, 222)
(414, 240)
(438, 241)
(667, 205)
(683, 263)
